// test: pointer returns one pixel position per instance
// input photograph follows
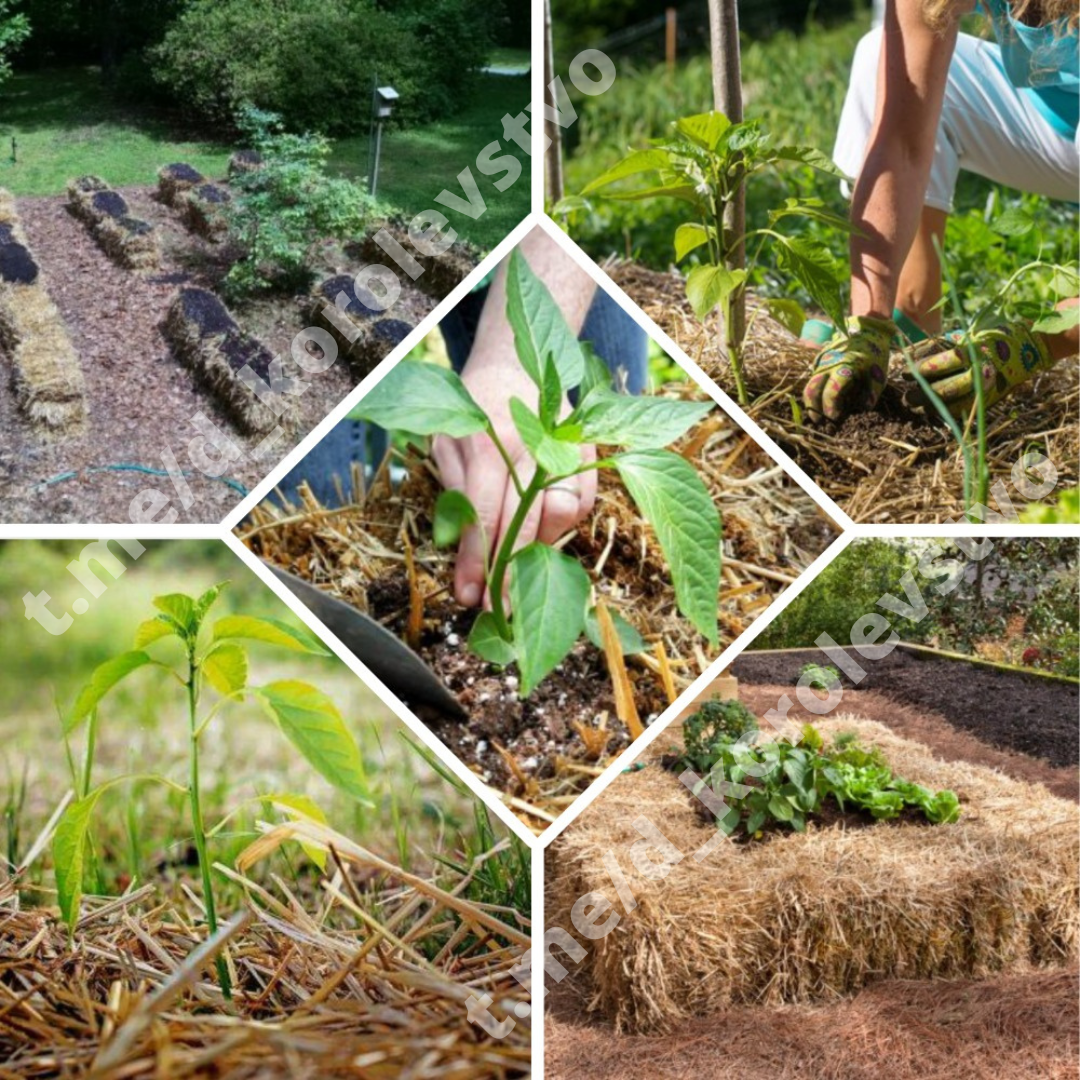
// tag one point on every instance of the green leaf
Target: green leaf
(269, 632)
(686, 192)
(488, 644)
(630, 640)
(548, 592)
(596, 374)
(298, 807)
(551, 394)
(788, 313)
(707, 286)
(704, 129)
(688, 238)
(453, 512)
(312, 723)
(152, 629)
(808, 155)
(816, 270)
(178, 606)
(556, 457)
(207, 601)
(104, 678)
(1015, 221)
(781, 809)
(633, 164)
(614, 419)
(69, 845)
(226, 668)
(672, 498)
(540, 328)
(755, 821)
(1057, 322)
(422, 399)
(729, 821)
(811, 209)
(570, 204)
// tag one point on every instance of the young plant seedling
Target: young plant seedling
(705, 165)
(550, 591)
(213, 660)
(819, 677)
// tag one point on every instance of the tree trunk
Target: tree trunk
(553, 156)
(727, 98)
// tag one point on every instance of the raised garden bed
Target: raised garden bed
(208, 341)
(1031, 712)
(175, 180)
(203, 211)
(440, 275)
(812, 916)
(47, 375)
(127, 240)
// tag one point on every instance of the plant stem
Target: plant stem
(506, 551)
(88, 759)
(197, 825)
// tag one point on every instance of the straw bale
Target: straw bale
(17, 266)
(129, 241)
(207, 340)
(177, 179)
(202, 208)
(812, 917)
(361, 309)
(245, 161)
(81, 194)
(442, 273)
(109, 204)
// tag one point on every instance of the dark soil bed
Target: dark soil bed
(1009, 710)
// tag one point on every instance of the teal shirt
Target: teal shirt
(1043, 62)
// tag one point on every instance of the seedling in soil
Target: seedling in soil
(707, 162)
(819, 677)
(550, 591)
(214, 660)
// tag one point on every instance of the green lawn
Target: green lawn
(67, 126)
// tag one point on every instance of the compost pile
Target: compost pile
(891, 465)
(323, 988)
(814, 916)
(376, 553)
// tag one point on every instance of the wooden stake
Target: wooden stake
(669, 43)
(666, 677)
(416, 599)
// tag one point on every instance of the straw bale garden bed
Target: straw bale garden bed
(947, 949)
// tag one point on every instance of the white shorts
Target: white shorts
(987, 127)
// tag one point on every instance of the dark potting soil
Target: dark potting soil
(361, 305)
(242, 350)
(392, 331)
(536, 731)
(136, 226)
(111, 204)
(17, 265)
(211, 193)
(182, 171)
(1008, 710)
(206, 311)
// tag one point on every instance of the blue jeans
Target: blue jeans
(615, 337)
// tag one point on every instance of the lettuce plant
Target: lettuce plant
(549, 590)
(705, 163)
(213, 660)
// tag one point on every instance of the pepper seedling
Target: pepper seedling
(214, 660)
(549, 590)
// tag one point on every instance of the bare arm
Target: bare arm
(888, 197)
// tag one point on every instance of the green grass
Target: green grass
(66, 125)
(418, 164)
(502, 58)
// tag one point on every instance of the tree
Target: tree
(14, 30)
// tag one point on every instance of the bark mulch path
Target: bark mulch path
(141, 401)
(1003, 709)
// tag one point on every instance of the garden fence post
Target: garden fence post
(553, 156)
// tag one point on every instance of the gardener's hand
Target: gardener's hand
(1008, 355)
(849, 373)
(474, 466)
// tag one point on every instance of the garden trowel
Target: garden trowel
(375, 647)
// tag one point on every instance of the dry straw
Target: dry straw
(208, 341)
(175, 180)
(203, 209)
(48, 378)
(811, 917)
(129, 241)
(346, 984)
(441, 273)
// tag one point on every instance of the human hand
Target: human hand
(1009, 355)
(850, 373)
(474, 466)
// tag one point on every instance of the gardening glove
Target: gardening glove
(1010, 354)
(849, 373)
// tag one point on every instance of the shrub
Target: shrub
(315, 61)
(280, 212)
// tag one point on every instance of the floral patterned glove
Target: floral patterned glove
(1010, 355)
(849, 373)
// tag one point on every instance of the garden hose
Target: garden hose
(146, 469)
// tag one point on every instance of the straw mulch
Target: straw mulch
(208, 341)
(48, 378)
(323, 988)
(811, 917)
(889, 466)
(771, 531)
(203, 208)
(129, 241)
(176, 180)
